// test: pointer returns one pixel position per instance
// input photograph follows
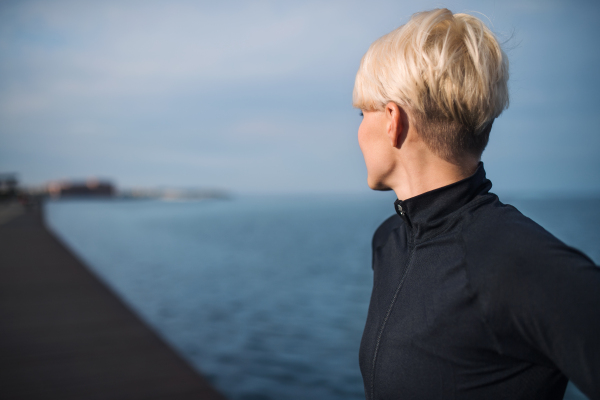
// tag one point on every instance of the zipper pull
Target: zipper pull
(400, 210)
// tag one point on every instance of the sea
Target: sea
(265, 295)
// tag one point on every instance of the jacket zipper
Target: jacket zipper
(387, 315)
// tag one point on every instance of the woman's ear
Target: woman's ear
(395, 123)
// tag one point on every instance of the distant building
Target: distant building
(8, 186)
(91, 187)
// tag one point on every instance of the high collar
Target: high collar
(429, 213)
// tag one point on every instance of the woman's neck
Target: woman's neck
(423, 172)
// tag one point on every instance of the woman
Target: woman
(471, 300)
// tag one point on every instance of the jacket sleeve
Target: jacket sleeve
(545, 306)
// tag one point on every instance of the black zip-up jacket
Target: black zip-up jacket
(473, 300)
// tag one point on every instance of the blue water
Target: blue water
(267, 296)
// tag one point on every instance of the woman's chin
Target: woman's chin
(378, 185)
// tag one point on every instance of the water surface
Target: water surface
(267, 296)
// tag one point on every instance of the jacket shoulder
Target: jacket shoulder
(384, 230)
(498, 231)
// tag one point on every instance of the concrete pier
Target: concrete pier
(64, 335)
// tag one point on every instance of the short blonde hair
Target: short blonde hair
(448, 70)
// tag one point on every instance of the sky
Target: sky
(255, 96)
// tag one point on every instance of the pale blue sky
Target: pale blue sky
(256, 96)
